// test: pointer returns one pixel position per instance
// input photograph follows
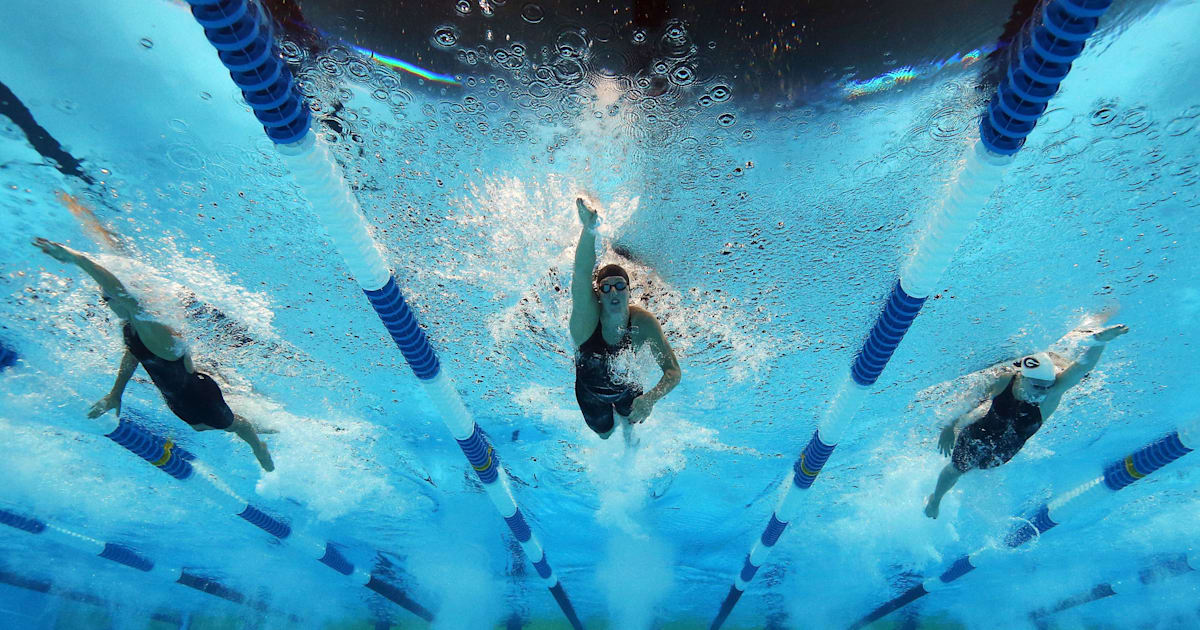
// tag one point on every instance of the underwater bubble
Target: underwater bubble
(1104, 115)
(329, 66)
(292, 52)
(359, 70)
(727, 119)
(400, 97)
(339, 54)
(1055, 120)
(463, 7)
(683, 75)
(445, 36)
(747, 134)
(518, 49)
(639, 36)
(146, 43)
(1061, 151)
(1180, 126)
(532, 13)
(675, 42)
(568, 72)
(720, 92)
(1137, 117)
(571, 44)
(603, 32)
(705, 100)
(185, 156)
(1108, 149)
(948, 124)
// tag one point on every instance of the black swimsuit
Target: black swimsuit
(193, 396)
(998, 435)
(596, 390)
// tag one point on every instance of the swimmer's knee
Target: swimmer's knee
(607, 434)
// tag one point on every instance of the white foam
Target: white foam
(323, 463)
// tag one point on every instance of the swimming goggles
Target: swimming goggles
(619, 286)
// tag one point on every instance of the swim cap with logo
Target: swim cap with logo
(1037, 366)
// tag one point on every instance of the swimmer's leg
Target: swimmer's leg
(627, 431)
(946, 480)
(246, 431)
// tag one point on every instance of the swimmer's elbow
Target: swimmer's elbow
(674, 374)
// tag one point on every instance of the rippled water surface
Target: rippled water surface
(764, 192)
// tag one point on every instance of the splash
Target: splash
(320, 463)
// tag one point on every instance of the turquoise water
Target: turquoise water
(763, 231)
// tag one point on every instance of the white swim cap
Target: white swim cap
(1037, 366)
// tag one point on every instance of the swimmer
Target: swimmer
(192, 396)
(1020, 398)
(603, 325)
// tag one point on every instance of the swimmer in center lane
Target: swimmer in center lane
(1022, 396)
(603, 325)
(192, 396)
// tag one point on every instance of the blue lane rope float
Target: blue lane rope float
(1150, 458)
(117, 553)
(1165, 568)
(240, 32)
(129, 432)
(1040, 61)
(160, 452)
(1037, 64)
(246, 46)
(47, 587)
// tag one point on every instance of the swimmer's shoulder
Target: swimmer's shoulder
(642, 323)
(160, 339)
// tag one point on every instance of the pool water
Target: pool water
(765, 201)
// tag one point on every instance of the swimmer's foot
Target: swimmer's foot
(931, 507)
(263, 456)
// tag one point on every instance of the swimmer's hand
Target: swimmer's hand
(1110, 333)
(104, 404)
(946, 440)
(55, 250)
(641, 409)
(587, 216)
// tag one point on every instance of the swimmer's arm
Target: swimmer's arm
(663, 354)
(971, 417)
(129, 365)
(109, 283)
(1079, 369)
(584, 309)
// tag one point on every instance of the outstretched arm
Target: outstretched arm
(1080, 368)
(109, 283)
(129, 364)
(585, 312)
